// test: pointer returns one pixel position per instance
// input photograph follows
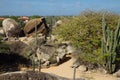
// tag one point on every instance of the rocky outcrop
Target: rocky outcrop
(48, 51)
(39, 23)
(51, 53)
(17, 46)
(11, 27)
(30, 75)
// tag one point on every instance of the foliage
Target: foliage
(52, 19)
(110, 44)
(4, 47)
(0, 23)
(85, 32)
(14, 17)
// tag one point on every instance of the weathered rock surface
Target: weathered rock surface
(11, 27)
(48, 51)
(17, 46)
(39, 23)
(31, 75)
(53, 54)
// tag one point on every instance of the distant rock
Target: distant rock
(39, 23)
(11, 27)
(58, 23)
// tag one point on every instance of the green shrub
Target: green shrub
(85, 32)
(4, 47)
(0, 23)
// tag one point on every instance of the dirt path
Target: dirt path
(65, 70)
(62, 70)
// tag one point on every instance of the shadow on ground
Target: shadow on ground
(12, 62)
(65, 59)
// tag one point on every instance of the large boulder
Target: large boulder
(48, 51)
(54, 54)
(41, 25)
(117, 74)
(17, 46)
(11, 27)
(31, 75)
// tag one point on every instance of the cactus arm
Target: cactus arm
(104, 28)
(109, 45)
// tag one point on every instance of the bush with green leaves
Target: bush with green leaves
(0, 23)
(4, 47)
(85, 32)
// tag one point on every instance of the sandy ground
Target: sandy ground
(62, 70)
(65, 70)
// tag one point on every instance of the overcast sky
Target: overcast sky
(56, 7)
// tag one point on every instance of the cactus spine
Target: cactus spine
(109, 45)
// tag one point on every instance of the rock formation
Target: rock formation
(39, 23)
(10, 27)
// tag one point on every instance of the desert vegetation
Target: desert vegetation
(85, 33)
(94, 36)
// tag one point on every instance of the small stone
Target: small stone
(47, 63)
(102, 70)
(117, 74)
(82, 68)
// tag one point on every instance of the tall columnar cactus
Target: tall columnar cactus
(110, 42)
(36, 60)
